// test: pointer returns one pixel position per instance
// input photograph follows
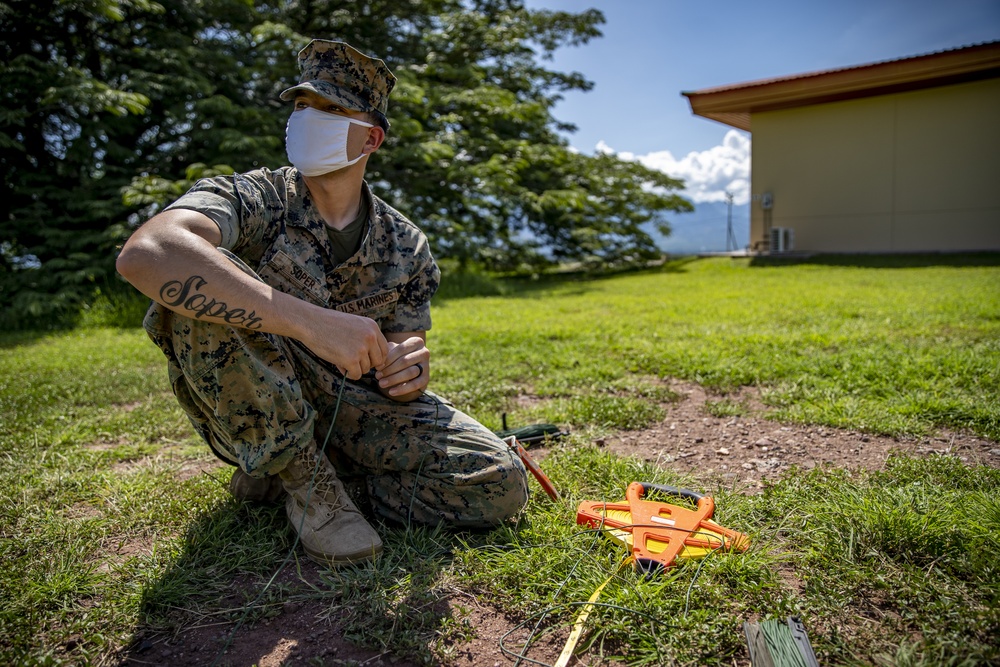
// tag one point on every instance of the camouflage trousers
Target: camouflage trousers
(257, 399)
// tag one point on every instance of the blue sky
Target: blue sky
(654, 49)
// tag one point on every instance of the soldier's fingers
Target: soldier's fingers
(391, 357)
(415, 384)
(355, 371)
(384, 349)
(401, 364)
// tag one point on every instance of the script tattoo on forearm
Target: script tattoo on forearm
(186, 295)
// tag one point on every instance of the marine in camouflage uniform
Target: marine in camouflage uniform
(260, 400)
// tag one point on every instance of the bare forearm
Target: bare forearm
(181, 270)
(174, 261)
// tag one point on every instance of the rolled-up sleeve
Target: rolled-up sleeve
(241, 205)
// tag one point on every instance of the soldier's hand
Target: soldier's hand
(406, 370)
(354, 344)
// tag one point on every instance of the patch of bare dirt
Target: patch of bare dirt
(210, 466)
(742, 452)
(303, 632)
(491, 628)
(104, 444)
(115, 552)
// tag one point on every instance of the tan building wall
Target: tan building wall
(904, 172)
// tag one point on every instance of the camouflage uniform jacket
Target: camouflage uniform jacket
(268, 220)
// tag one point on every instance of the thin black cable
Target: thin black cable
(542, 615)
(416, 478)
(687, 596)
(295, 542)
(531, 635)
(565, 605)
(598, 531)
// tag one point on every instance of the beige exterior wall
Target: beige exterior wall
(906, 172)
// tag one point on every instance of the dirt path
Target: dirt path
(741, 452)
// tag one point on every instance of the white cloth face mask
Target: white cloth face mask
(316, 141)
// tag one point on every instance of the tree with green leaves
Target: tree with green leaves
(111, 108)
(92, 95)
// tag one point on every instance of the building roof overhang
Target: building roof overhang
(735, 104)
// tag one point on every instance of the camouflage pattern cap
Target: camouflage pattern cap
(344, 75)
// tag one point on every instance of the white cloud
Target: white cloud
(709, 174)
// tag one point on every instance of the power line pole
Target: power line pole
(730, 237)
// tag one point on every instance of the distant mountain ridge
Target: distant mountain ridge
(703, 230)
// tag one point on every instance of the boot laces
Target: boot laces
(328, 491)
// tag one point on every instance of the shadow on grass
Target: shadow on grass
(214, 603)
(457, 284)
(11, 339)
(894, 261)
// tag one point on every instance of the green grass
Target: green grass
(114, 519)
(891, 351)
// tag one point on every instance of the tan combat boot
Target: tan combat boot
(250, 489)
(331, 529)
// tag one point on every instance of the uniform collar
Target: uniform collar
(373, 244)
(371, 250)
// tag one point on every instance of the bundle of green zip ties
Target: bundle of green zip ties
(776, 644)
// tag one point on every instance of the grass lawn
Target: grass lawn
(110, 524)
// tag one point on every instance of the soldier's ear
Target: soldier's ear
(376, 135)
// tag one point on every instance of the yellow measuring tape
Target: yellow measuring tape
(574, 636)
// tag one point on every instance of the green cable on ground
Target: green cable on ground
(532, 433)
